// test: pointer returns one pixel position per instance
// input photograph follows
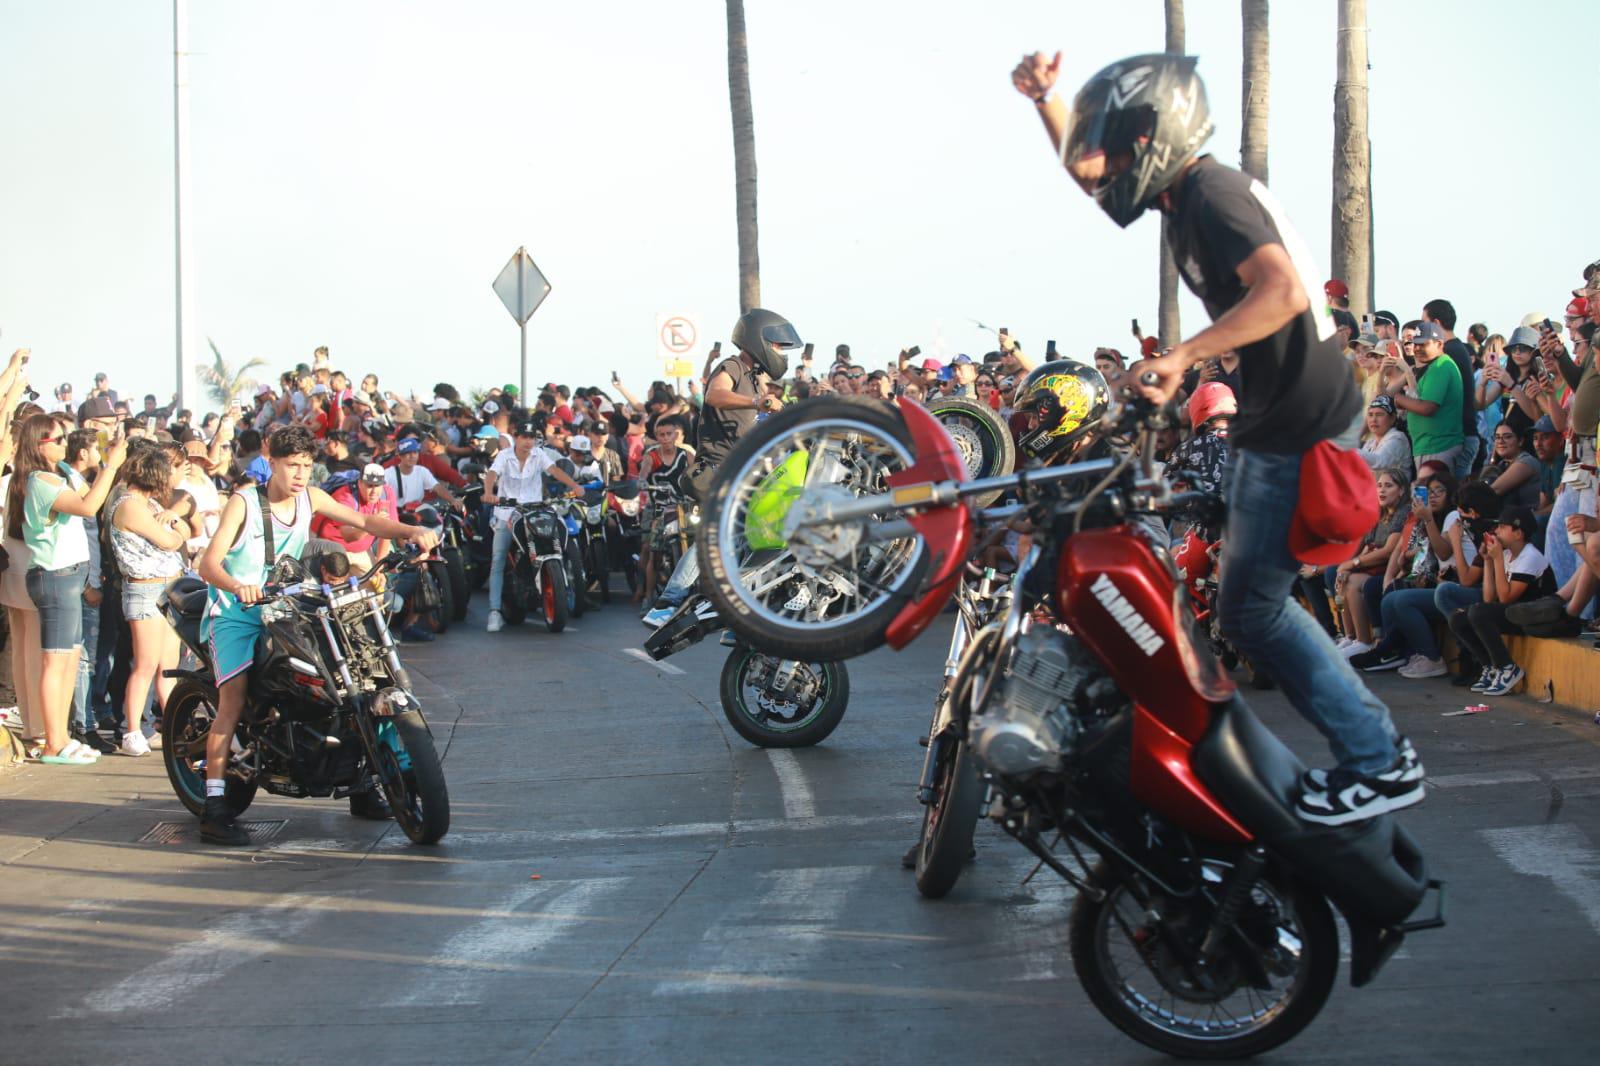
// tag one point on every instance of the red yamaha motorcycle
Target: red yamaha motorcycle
(1118, 750)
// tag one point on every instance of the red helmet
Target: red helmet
(1209, 401)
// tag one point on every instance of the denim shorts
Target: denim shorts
(59, 596)
(142, 599)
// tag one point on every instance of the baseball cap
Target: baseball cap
(527, 429)
(1148, 347)
(1526, 336)
(362, 396)
(1427, 331)
(842, 351)
(511, 390)
(564, 413)
(439, 404)
(580, 443)
(409, 445)
(320, 389)
(259, 470)
(486, 433)
(97, 407)
(1545, 425)
(932, 364)
(1336, 290)
(1386, 316)
(372, 474)
(1578, 307)
(1382, 403)
(1330, 520)
(490, 407)
(263, 389)
(1520, 519)
(65, 386)
(962, 358)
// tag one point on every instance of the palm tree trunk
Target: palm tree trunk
(1167, 311)
(1352, 160)
(744, 157)
(1257, 90)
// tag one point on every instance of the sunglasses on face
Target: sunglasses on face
(49, 440)
(1504, 436)
(986, 383)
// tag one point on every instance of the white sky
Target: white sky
(363, 169)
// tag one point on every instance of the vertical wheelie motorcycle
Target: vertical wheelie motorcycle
(1120, 753)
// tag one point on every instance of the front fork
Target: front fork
(940, 733)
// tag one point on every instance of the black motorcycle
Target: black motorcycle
(457, 554)
(536, 567)
(624, 530)
(329, 710)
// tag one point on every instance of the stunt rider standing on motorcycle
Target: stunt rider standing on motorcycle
(1131, 140)
(516, 477)
(236, 566)
(735, 395)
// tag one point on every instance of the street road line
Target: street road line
(464, 968)
(797, 799)
(644, 657)
(785, 928)
(1559, 852)
(1514, 777)
(233, 942)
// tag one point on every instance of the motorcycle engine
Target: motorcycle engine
(1033, 724)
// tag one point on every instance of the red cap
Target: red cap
(1338, 505)
(932, 364)
(1149, 346)
(1578, 308)
(1336, 290)
(564, 413)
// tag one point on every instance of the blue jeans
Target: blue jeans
(1259, 619)
(1408, 616)
(497, 567)
(82, 710)
(1470, 447)
(1449, 597)
(683, 580)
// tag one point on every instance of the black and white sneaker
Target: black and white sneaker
(1504, 681)
(1485, 679)
(1373, 661)
(1405, 753)
(1350, 797)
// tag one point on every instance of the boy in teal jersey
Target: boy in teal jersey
(235, 566)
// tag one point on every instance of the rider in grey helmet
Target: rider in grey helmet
(734, 396)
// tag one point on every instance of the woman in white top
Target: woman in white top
(1384, 445)
(146, 538)
(47, 514)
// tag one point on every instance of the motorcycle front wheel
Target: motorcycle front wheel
(577, 583)
(433, 598)
(805, 713)
(819, 592)
(455, 569)
(553, 579)
(408, 768)
(949, 819)
(1127, 955)
(185, 726)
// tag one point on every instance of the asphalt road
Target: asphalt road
(627, 880)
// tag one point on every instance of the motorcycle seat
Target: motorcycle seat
(188, 595)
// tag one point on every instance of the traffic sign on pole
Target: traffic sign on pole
(522, 288)
(677, 335)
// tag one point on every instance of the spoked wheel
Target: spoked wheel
(813, 592)
(514, 594)
(1267, 983)
(577, 583)
(808, 706)
(980, 435)
(553, 578)
(455, 569)
(408, 769)
(187, 721)
(949, 819)
(431, 601)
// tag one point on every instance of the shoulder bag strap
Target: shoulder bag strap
(269, 555)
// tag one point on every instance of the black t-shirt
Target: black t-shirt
(1461, 356)
(1230, 378)
(1296, 388)
(719, 429)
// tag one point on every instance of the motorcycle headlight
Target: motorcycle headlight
(543, 524)
(392, 701)
(594, 513)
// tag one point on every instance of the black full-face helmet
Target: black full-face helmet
(1068, 400)
(767, 338)
(1151, 108)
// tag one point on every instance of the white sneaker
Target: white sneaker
(1342, 643)
(133, 743)
(1420, 667)
(154, 740)
(1354, 648)
(11, 718)
(496, 623)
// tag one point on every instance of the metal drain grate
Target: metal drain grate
(179, 832)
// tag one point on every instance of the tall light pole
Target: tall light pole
(184, 257)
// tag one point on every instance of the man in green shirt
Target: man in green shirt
(1432, 402)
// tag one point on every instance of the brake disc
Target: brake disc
(817, 542)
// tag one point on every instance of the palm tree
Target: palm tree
(1257, 90)
(1352, 159)
(223, 382)
(1167, 311)
(744, 158)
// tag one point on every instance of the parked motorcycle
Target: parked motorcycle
(536, 568)
(434, 597)
(624, 530)
(456, 551)
(1122, 756)
(329, 710)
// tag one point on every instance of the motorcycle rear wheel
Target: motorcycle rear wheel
(456, 571)
(949, 821)
(825, 610)
(416, 794)
(435, 617)
(1305, 941)
(554, 588)
(981, 437)
(186, 723)
(514, 593)
(767, 727)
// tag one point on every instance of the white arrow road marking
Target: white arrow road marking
(644, 657)
(788, 925)
(229, 944)
(463, 968)
(1558, 852)
(797, 799)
